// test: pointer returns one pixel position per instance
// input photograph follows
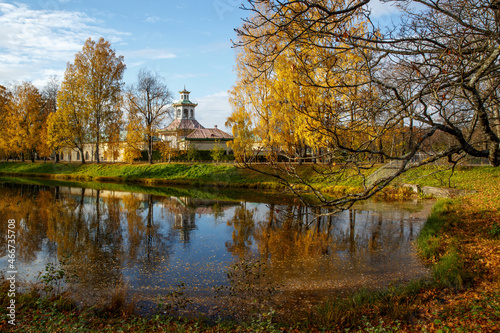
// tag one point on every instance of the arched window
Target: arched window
(69, 157)
(192, 114)
(178, 113)
(77, 155)
(87, 155)
(185, 113)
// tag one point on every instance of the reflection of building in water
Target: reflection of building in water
(185, 210)
(185, 222)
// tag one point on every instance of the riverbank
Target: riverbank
(229, 175)
(461, 242)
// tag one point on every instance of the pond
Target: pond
(193, 243)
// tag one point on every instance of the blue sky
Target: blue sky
(186, 42)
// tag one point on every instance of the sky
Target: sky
(187, 42)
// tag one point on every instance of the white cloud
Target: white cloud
(35, 41)
(155, 19)
(213, 110)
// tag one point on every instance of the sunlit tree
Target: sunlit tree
(25, 120)
(148, 101)
(70, 125)
(323, 74)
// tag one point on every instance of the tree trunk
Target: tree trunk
(150, 149)
(83, 157)
(97, 151)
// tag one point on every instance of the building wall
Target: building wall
(207, 144)
(73, 155)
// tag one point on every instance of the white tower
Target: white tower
(184, 109)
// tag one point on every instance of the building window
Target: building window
(69, 157)
(178, 113)
(192, 114)
(87, 155)
(77, 155)
(185, 113)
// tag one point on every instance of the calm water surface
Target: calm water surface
(152, 242)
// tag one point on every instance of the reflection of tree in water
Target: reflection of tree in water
(293, 232)
(244, 225)
(298, 232)
(30, 206)
(147, 246)
(90, 234)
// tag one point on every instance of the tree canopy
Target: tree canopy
(319, 78)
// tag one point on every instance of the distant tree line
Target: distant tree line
(86, 108)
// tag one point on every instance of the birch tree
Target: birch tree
(148, 102)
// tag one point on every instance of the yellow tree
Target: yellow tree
(241, 124)
(26, 119)
(134, 140)
(168, 151)
(98, 73)
(249, 119)
(69, 126)
(5, 110)
(303, 87)
(287, 99)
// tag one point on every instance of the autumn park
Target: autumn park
(358, 190)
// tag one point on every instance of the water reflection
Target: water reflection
(152, 242)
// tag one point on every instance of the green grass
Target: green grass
(223, 175)
(466, 178)
(229, 175)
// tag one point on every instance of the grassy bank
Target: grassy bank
(467, 178)
(155, 174)
(460, 241)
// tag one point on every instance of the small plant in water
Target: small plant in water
(175, 300)
(250, 291)
(264, 323)
(53, 278)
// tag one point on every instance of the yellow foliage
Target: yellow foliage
(292, 95)
(25, 119)
(167, 150)
(134, 140)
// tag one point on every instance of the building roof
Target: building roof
(208, 133)
(181, 124)
(185, 102)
